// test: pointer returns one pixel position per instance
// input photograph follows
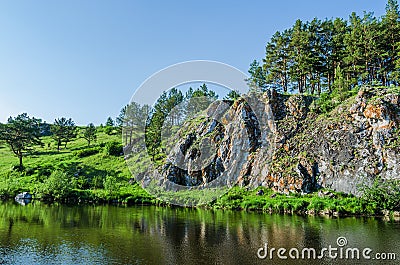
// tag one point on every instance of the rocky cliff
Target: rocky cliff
(286, 143)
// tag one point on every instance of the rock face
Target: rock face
(285, 143)
(220, 143)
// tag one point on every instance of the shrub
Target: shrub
(299, 205)
(97, 182)
(316, 204)
(109, 130)
(385, 194)
(114, 148)
(87, 152)
(328, 101)
(57, 187)
(10, 187)
(111, 185)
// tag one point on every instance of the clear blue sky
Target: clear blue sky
(84, 59)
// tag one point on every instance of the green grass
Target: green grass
(341, 204)
(86, 173)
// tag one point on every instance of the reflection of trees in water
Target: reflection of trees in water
(169, 235)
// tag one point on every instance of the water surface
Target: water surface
(59, 234)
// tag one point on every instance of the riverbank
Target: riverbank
(322, 203)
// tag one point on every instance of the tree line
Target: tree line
(316, 56)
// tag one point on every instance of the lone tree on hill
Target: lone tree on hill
(21, 133)
(109, 128)
(63, 131)
(90, 133)
(110, 122)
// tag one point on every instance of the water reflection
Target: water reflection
(42, 234)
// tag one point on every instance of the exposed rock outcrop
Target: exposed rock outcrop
(283, 142)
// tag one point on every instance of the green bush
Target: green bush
(384, 194)
(97, 182)
(87, 152)
(111, 186)
(10, 187)
(109, 130)
(328, 101)
(317, 205)
(114, 148)
(57, 187)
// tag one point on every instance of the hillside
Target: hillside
(73, 174)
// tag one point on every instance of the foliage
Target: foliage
(109, 126)
(317, 55)
(338, 204)
(257, 78)
(109, 130)
(328, 101)
(87, 152)
(385, 194)
(109, 122)
(232, 95)
(58, 186)
(131, 120)
(45, 129)
(113, 148)
(90, 133)
(21, 133)
(111, 185)
(64, 130)
(171, 109)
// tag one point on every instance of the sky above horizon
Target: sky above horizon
(84, 59)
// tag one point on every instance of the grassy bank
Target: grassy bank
(323, 202)
(77, 173)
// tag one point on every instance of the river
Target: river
(57, 234)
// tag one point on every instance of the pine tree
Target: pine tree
(391, 32)
(300, 54)
(110, 122)
(21, 133)
(64, 130)
(276, 61)
(90, 133)
(257, 78)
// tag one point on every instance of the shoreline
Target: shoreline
(268, 203)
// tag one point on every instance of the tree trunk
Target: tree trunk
(21, 166)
